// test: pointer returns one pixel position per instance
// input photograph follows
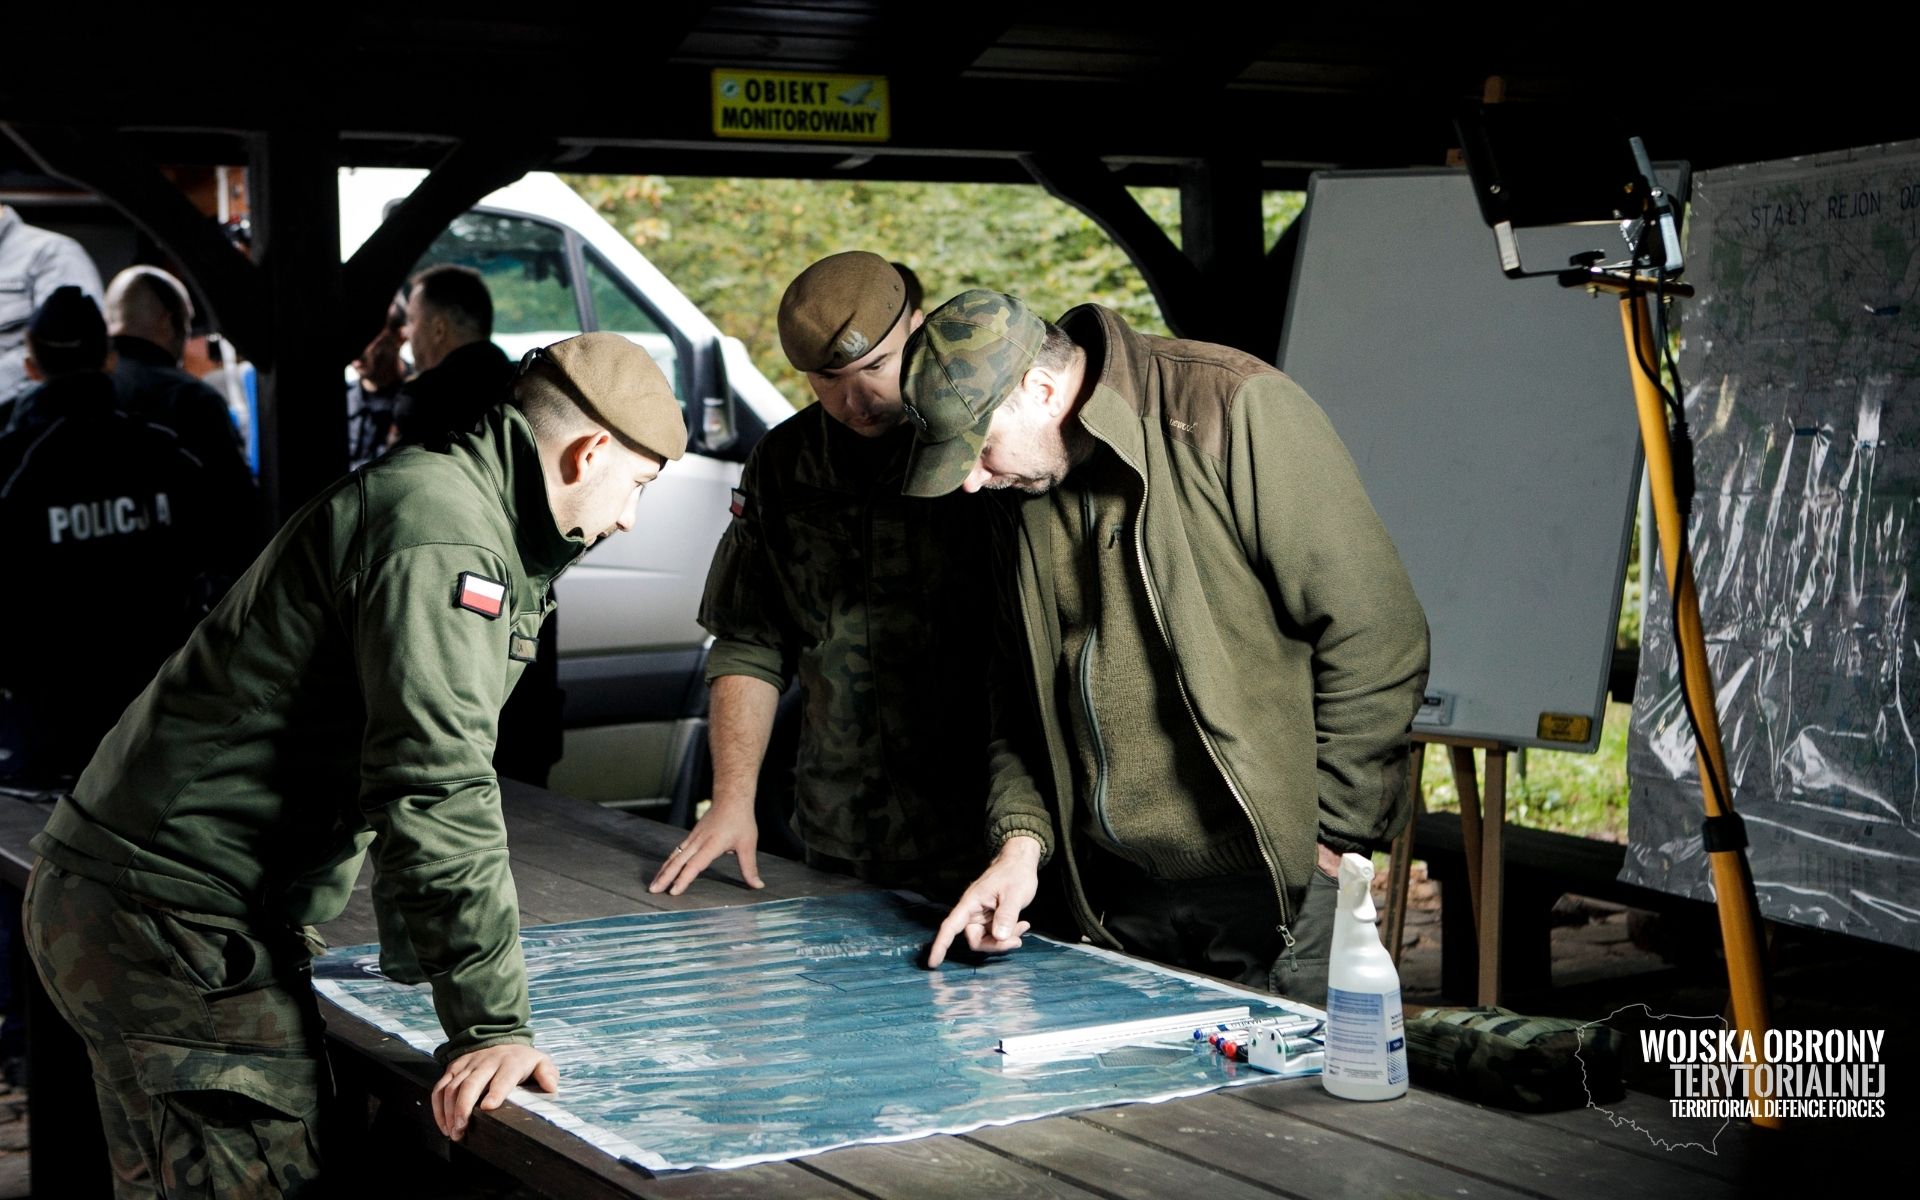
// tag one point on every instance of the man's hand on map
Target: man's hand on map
(487, 1077)
(989, 910)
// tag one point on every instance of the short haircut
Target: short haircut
(1057, 352)
(460, 295)
(143, 298)
(915, 293)
(550, 406)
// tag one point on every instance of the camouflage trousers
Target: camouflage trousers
(205, 1039)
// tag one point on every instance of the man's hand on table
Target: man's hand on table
(989, 910)
(728, 828)
(486, 1078)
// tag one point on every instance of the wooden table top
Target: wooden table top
(574, 860)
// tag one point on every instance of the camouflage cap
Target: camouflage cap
(966, 357)
(839, 308)
(619, 385)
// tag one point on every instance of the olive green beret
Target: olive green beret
(839, 308)
(620, 386)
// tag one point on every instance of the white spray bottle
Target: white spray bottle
(1366, 1037)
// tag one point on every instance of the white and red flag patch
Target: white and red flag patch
(477, 593)
(739, 506)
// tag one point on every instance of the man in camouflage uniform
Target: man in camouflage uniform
(342, 698)
(870, 597)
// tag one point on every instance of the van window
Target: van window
(524, 262)
(616, 310)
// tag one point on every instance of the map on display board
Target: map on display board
(1800, 357)
(728, 1036)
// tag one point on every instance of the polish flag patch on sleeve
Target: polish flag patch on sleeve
(477, 593)
(739, 506)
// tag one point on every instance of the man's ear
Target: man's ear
(1045, 387)
(33, 369)
(579, 457)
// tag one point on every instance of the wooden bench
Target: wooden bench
(1540, 868)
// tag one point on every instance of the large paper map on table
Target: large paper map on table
(728, 1036)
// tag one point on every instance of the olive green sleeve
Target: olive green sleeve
(1018, 747)
(434, 676)
(1336, 576)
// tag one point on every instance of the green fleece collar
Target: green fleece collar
(1118, 370)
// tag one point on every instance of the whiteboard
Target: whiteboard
(1493, 424)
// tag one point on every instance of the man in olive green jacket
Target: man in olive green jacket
(1222, 653)
(345, 693)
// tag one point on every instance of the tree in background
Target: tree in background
(732, 245)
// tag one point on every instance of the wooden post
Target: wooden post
(1482, 844)
(457, 182)
(1219, 285)
(296, 245)
(1400, 859)
(1492, 874)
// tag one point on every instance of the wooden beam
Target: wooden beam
(1214, 54)
(1222, 234)
(294, 176)
(1085, 183)
(1276, 283)
(94, 159)
(378, 268)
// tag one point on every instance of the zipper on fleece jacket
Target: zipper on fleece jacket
(1180, 679)
(1099, 798)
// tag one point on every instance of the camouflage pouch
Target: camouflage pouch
(1528, 1064)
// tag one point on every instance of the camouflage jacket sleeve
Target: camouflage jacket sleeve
(744, 606)
(434, 677)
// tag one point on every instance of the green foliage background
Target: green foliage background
(732, 245)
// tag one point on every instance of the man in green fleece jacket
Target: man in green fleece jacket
(345, 693)
(1207, 688)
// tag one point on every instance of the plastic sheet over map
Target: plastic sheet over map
(727, 1036)
(1801, 357)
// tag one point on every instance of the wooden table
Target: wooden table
(574, 860)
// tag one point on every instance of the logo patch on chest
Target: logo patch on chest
(477, 593)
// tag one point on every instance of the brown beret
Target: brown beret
(621, 387)
(839, 308)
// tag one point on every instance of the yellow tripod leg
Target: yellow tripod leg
(1732, 877)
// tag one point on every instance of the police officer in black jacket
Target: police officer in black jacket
(114, 542)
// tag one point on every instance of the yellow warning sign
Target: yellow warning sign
(791, 107)
(1564, 727)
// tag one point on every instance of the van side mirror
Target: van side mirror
(717, 428)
